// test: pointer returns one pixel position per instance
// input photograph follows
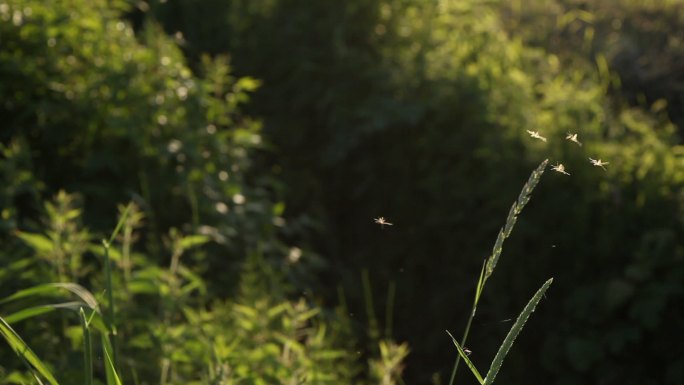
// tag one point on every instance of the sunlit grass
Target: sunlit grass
(487, 270)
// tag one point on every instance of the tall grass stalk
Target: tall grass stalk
(111, 313)
(389, 309)
(373, 329)
(491, 262)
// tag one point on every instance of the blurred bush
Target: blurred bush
(418, 111)
(95, 114)
(89, 106)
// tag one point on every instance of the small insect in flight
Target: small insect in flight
(598, 163)
(536, 135)
(573, 138)
(560, 168)
(382, 222)
(467, 351)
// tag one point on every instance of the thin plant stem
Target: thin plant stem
(87, 350)
(370, 310)
(478, 292)
(110, 302)
(389, 309)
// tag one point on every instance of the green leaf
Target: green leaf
(39, 310)
(122, 219)
(94, 318)
(55, 289)
(23, 351)
(193, 240)
(87, 349)
(110, 367)
(513, 333)
(465, 358)
(38, 242)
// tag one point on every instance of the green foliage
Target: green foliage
(413, 110)
(92, 107)
(25, 352)
(126, 118)
(418, 111)
(168, 330)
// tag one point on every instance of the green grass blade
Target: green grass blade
(23, 351)
(124, 215)
(87, 350)
(109, 315)
(35, 311)
(54, 289)
(465, 358)
(110, 367)
(471, 316)
(95, 319)
(513, 333)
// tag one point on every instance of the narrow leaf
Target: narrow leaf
(465, 358)
(513, 333)
(87, 350)
(118, 225)
(23, 351)
(110, 367)
(193, 240)
(38, 242)
(54, 289)
(94, 319)
(31, 312)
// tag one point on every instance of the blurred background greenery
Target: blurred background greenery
(258, 139)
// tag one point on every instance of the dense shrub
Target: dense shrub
(90, 109)
(95, 114)
(418, 112)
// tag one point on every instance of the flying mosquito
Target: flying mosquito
(598, 163)
(536, 135)
(573, 138)
(382, 222)
(560, 168)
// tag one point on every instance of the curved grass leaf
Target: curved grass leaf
(55, 289)
(95, 319)
(513, 333)
(469, 363)
(23, 351)
(110, 368)
(31, 312)
(122, 219)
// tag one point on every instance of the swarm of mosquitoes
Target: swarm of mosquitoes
(558, 167)
(572, 137)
